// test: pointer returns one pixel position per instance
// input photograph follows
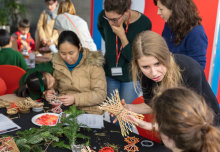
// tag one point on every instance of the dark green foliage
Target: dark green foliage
(10, 12)
(33, 139)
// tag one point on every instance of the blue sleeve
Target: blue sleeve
(196, 45)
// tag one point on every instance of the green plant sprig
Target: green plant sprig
(63, 135)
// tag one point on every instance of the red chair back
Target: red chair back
(11, 75)
(154, 136)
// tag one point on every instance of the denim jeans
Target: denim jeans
(125, 89)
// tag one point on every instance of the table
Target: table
(97, 141)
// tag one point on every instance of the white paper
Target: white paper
(7, 125)
(91, 120)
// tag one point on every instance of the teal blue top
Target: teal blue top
(71, 67)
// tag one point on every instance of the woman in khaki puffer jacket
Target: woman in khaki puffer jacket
(80, 78)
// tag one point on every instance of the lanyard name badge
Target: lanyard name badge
(117, 71)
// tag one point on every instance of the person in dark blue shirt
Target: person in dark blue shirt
(183, 31)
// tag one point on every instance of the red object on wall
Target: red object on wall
(208, 12)
(154, 136)
(151, 12)
(11, 75)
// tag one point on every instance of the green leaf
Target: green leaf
(61, 145)
(31, 140)
(21, 141)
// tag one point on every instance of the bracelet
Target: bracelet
(147, 143)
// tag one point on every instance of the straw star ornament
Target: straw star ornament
(114, 106)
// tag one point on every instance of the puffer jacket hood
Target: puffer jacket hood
(95, 58)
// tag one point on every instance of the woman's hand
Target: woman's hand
(126, 106)
(44, 42)
(120, 32)
(49, 94)
(67, 100)
(143, 124)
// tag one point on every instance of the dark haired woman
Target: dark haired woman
(183, 31)
(80, 77)
(29, 84)
(119, 25)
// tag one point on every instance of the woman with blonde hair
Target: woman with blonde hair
(67, 19)
(158, 69)
(187, 125)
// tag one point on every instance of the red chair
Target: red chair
(3, 87)
(154, 136)
(11, 75)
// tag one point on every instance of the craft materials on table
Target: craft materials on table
(56, 103)
(131, 147)
(106, 149)
(22, 106)
(115, 107)
(7, 125)
(7, 144)
(90, 120)
(47, 119)
(86, 149)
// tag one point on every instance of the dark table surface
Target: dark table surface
(109, 135)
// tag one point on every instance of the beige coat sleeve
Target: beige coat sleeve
(56, 81)
(98, 91)
(40, 27)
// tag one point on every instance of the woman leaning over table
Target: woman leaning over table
(183, 31)
(80, 78)
(188, 124)
(118, 25)
(158, 69)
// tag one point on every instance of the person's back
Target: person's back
(67, 19)
(185, 121)
(8, 56)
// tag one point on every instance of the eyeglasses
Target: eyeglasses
(114, 20)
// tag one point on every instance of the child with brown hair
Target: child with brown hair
(24, 42)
